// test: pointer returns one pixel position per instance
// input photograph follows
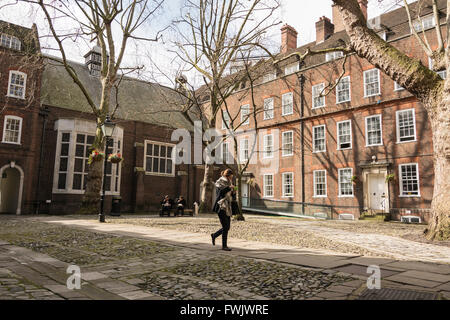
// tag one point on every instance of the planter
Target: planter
(96, 156)
(115, 158)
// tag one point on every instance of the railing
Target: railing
(288, 208)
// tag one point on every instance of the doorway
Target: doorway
(377, 192)
(11, 184)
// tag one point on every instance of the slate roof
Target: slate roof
(138, 100)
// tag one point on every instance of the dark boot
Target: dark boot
(213, 238)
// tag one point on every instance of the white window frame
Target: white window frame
(224, 119)
(324, 137)
(7, 117)
(398, 87)
(245, 113)
(270, 76)
(172, 156)
(288, 195)
(402, 195)
(442, 74)
(381, 130)
(286, 152)
(283, 105)
(340, 195)
(314, 95)
(265, 185)
(24, 75)
(398, 127)
(11, 40)
(315, 184)
(365, 84)
(270, 110)
(330, 56)
(419, 25)
(339, 137)
(266, 146)
(349, 90)
(244, 147)
(291, 68)
(226, 154)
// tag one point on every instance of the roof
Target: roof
(138, 100)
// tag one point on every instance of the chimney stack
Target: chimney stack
(337, 20)
(324, 29)
(288, 38)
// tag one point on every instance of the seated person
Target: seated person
(166, 205)
(181, 204)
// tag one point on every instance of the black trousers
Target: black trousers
(180, 210)
(225, 222)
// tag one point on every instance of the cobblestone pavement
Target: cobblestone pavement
(357, 237)
(121, 261)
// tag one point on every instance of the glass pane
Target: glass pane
(149, 149)
(156, 150)
(169, 166)
(148, 165)
(80, 138)
(90, 140)
(62, 181)
(108, 167)
(162, 165)
(84, 181)
(65, 137)
(86, 166)
(79, 150)
(155, 165)
(77, 182)
(163, 151)
(108, 183)
(169, 152)
(65, 149)
(78, 165)
(63, 164)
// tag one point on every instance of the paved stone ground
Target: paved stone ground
(121, 261)
(356, 237)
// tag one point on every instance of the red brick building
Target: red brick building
(48, 127)
(364, 131)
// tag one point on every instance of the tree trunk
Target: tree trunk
(207, 188)
(240, 215)
(439, 226)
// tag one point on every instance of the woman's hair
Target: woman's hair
(227, 173)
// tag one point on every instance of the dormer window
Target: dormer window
(10, 42)
(333, 55)
(424, 23)
(290, 69)
(269, 76)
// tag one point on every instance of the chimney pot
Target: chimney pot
(324, 29)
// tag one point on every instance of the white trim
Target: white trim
(22, 175)
(365, 85)
(172, 158)
(398, 128)
(397, 87)
(292, 103)
(24, 75)
(338, 137)
(264, 185)
(339, 184)
(421, 28)
(265, 156)
(349, 91)
(283, 154)
(313, 97)
(314, 185)
(283, 185)
(381, 130)
(224, 127)
(324, 136)
(20, 129)
(243, 159)
(400, 184)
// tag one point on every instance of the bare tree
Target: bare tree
(112, 24)
(212, 35)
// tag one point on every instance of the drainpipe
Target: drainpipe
(44, 113)
(301, 79)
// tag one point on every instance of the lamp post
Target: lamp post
(108, 129)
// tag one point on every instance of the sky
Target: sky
(300, 14)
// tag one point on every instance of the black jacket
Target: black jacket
(220, 194)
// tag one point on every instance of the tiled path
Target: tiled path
(188, 272)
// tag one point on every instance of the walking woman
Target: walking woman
(222, 206)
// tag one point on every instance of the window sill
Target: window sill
(159, 174)
(374, 145)
(343, 149)
(320, 197)
(411, 196)
(339, 102)
(314, 108)
(13, 143)
(288, 196)
(287, 155)
(346, 196)
(320, 151)
(402, 142)
(373, 95)
(15, 97)
(287, 114)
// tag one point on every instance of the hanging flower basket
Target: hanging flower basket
(115, 158)
(96, 156)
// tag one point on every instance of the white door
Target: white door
(245, 195)
(377, 192)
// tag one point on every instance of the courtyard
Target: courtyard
(275, 258)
